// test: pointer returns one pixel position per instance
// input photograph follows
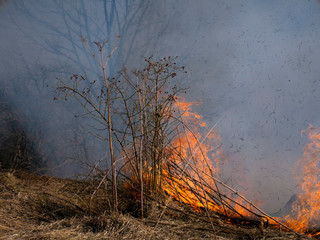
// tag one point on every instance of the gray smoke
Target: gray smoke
(254, 64)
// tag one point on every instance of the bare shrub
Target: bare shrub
(136, 111)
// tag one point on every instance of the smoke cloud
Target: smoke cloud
(254, 64)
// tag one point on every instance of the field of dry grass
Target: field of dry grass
(42, 207)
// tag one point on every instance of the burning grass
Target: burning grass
(164, 158)
(304, 216)
(194, 204)
(41, 207)
(191, 178)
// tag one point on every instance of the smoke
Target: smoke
(252, 63)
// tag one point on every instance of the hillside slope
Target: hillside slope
(42, 207)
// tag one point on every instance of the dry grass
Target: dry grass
(41, 207)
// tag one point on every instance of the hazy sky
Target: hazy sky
(254, 64)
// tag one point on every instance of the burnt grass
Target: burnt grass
(43, 207)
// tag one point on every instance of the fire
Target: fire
(189, 174)
(306, 209)
(189, 171)
(194, 158)
(186, 109)
(199, 158)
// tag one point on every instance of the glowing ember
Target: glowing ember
(306, 209)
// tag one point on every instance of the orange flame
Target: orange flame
(196, 158)
(200, 160)
(204, 158)
(306, 209)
